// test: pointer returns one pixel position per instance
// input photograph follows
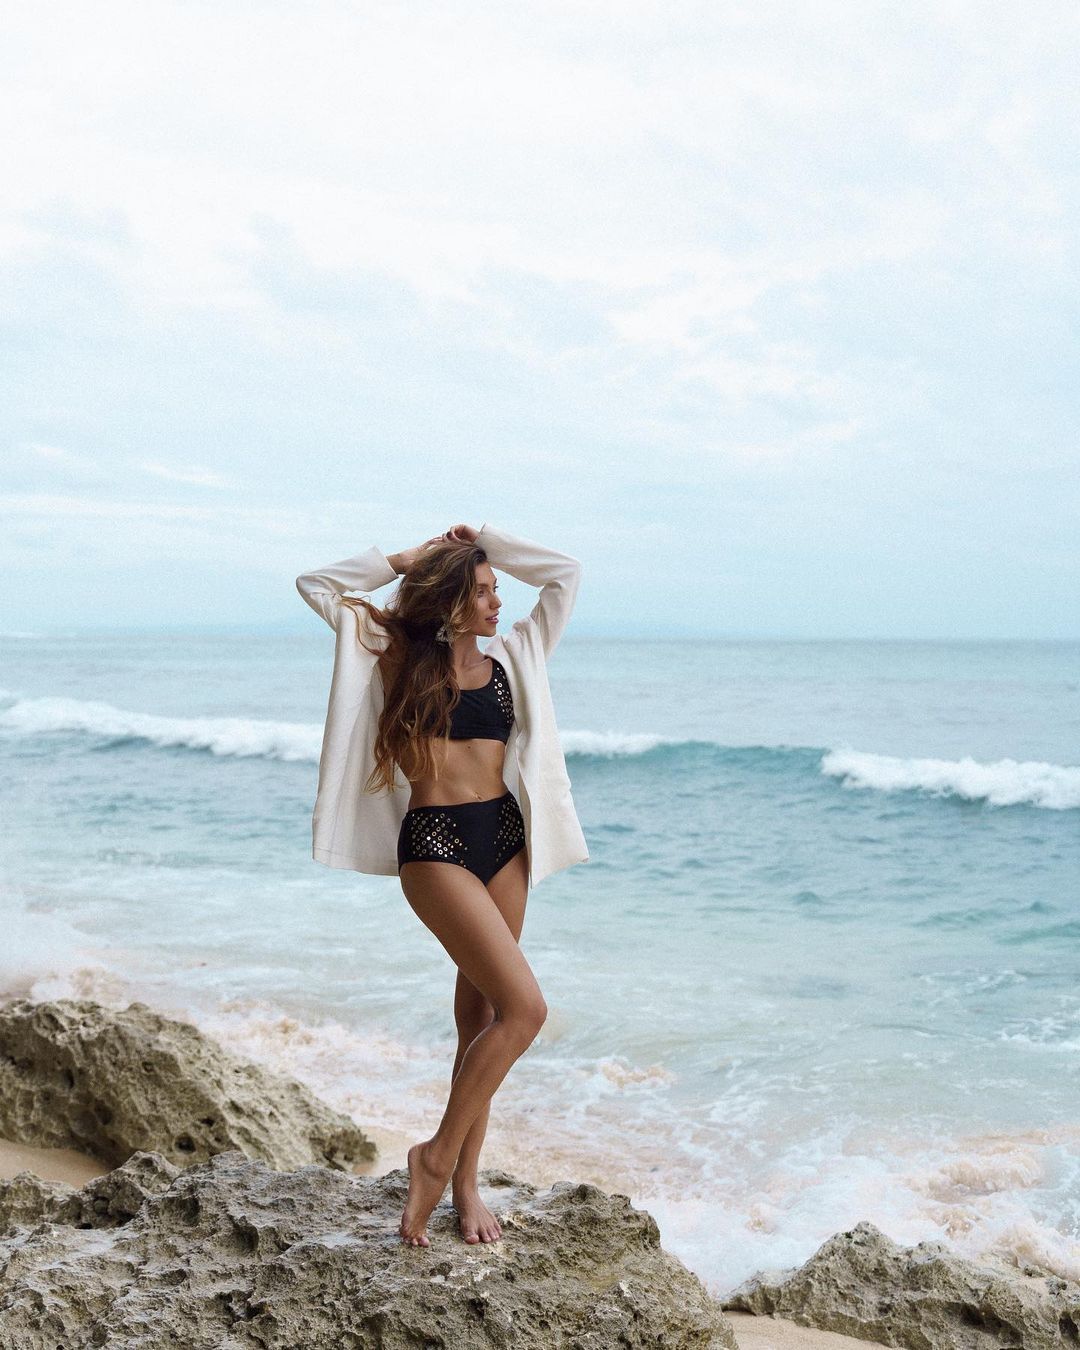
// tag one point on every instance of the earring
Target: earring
(442, 635)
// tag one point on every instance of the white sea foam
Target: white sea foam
(44, 956)
(242, 736)
(1001, 782)
(609, 744)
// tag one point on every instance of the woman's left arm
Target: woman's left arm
(557, 574)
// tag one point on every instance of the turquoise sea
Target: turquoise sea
(823, 964)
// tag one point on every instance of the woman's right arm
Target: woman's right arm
(324, 587)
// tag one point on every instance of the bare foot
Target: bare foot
(476, 1221)
(426, 1186)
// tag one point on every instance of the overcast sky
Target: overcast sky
(767, 313)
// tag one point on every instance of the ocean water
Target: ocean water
(823, 964)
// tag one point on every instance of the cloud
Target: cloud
(541, 146)
(52, 506)
(71, 465)
(194, 475)
(816, 252)
(66, 459)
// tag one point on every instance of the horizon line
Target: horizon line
(288, 629)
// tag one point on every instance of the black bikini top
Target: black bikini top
(486, 713)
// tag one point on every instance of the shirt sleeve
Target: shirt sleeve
(324, 587)
(557, 574)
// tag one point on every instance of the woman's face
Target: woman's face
(488, 604)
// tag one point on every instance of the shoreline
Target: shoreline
(154, 1105)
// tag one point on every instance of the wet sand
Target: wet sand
(51, 1164)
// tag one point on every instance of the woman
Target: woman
(423, 732)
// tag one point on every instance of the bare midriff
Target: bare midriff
(469, 771)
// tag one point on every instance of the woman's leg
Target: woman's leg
(452, 902)
(472, 1012)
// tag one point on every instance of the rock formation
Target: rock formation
(229, 1253)
(924, 1297)
(233, 1222)
(75, 1074)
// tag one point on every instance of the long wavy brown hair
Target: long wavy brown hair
(420, 688)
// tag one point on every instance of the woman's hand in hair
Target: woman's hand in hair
(401, 562)
(463, 533)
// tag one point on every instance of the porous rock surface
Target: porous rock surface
(105, 1201)
(76, 1074)
(924, 1297)
(231, 1255)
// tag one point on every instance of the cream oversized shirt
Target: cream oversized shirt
(359, 830)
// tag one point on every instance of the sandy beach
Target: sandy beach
(51, 1164)
(776, 1333)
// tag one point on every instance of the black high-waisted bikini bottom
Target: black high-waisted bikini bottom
(482, 836)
